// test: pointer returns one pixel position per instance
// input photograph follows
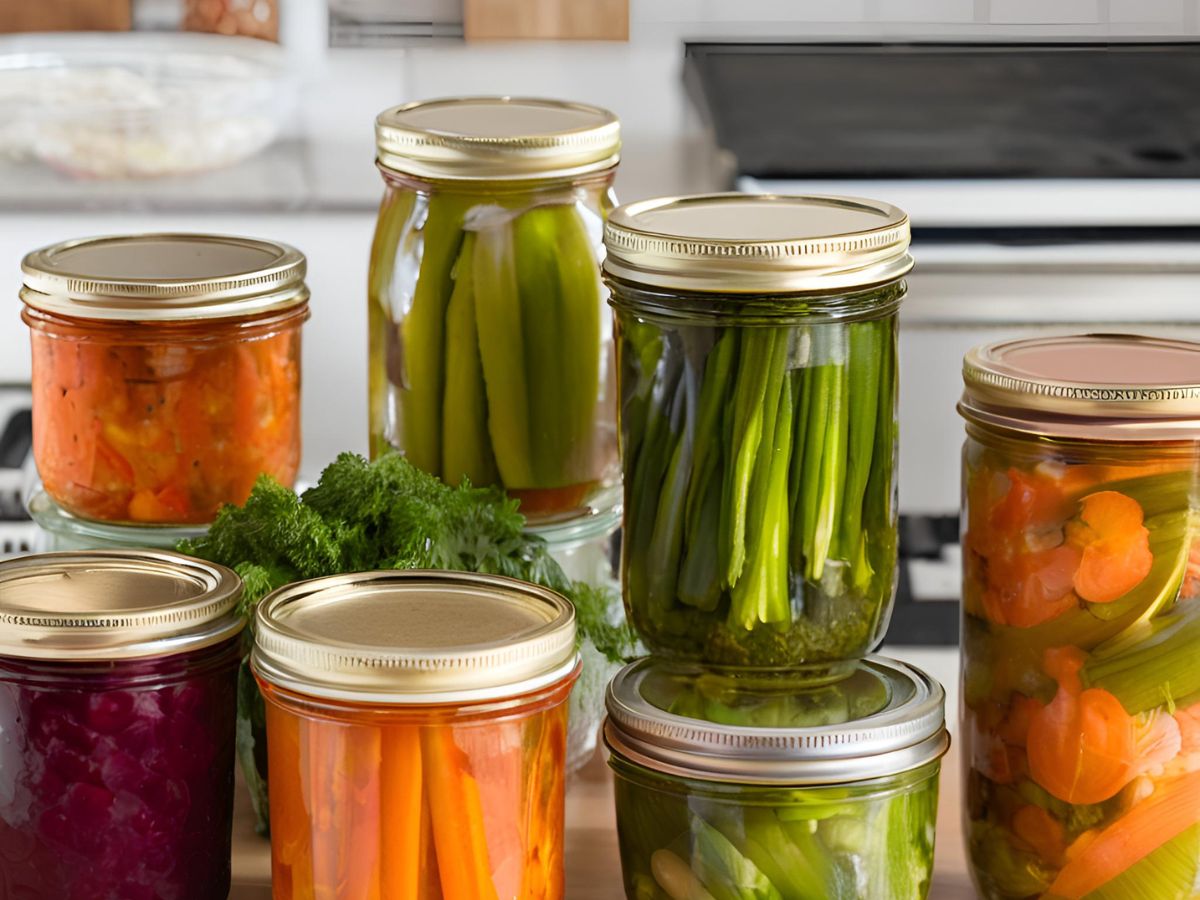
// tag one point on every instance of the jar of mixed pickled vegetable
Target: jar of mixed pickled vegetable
(166, 372)
(490, 347)
(1081, 675)
(768, 786)
(416, 731)
(756, 346)
(117, 700)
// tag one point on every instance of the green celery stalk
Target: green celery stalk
(644, 483)
(753, 375)
(724, 870)
(761, 594)
(424, 330)
(466, 448)
(820, 383)
(832, 471)
(700, 574)
(1166, 873)
(502, 351)
(666, 541)
(865, 357)
(1157, 668)
(879, 498)
(802, 390)
(801, 870)
(713, 393)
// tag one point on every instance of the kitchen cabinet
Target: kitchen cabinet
(595, 20)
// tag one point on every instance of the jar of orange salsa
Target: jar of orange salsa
(1081, 627)
(416, 732)
(166, 372)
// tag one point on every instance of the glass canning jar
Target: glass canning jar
(166, 372)
(1081, 680)
(490, 347)
(767, 786)
(756, 348)
(416, 732)
(117, 699)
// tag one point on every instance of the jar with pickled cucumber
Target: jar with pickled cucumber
(756, 345)
(1081, 675)
(490, 344)
(770, 785)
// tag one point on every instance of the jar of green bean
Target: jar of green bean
(756, 360)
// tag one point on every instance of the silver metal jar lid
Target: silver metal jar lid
(883, 719)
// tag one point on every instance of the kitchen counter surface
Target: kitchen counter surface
(593, 867)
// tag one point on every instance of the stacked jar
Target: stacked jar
(1081, 687)
(761, 748)
(491, 353)
(166, 380)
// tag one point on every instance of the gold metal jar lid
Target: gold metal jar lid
(757, 243)
(497, 139)
(1118, 387)
(414, 637)
(114, 604)
(164, 277)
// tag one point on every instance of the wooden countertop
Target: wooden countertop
(593, 867)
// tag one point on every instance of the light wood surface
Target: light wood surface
(588, 20)
(64, 15)
(593, 867)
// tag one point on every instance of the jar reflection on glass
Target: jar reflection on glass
(490, 345)
(417, 732)
(116, 772)
(1081, 686)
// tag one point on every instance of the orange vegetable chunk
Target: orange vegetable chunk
(1115, 546)
(1083, 746)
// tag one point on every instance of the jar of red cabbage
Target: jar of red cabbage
(117, 685)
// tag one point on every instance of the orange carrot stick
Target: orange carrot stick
(403, 811)
(1040, 831)
(291, 862)
(1170, 810)
(458, 824)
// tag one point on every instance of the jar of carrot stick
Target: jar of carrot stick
(166, 372)
(416, 730)
(1081, 675)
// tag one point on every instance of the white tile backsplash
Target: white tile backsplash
(1165, 12)
(1045, 12)
(927, 11)
(767, 11)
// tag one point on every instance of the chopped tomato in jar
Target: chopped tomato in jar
(163, 423)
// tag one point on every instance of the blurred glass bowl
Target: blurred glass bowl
(128, 105)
